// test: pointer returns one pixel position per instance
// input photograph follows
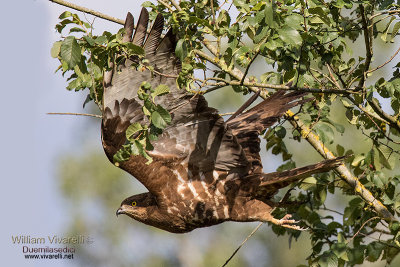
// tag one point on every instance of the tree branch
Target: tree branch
(392, 121)
(75, 114)
(88, 11)
(368, 46)
(241, 245)
(245, 82)
(368, 32)
(388, 61)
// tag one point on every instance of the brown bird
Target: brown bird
(205, 171)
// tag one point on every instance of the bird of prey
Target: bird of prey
(205, 170)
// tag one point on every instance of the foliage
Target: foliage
(307, 44)
(88, 57)
(139, 136)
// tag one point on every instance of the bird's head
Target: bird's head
(138, 206)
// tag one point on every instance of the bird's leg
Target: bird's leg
(257, 210)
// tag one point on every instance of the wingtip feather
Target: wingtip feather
(141, 28)
(129, 27)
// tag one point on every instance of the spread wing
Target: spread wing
(197, 140)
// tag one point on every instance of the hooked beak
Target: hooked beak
(120, 211)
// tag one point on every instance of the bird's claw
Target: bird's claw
(288, 223)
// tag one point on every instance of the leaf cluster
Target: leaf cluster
(139, 136)
(86, 56)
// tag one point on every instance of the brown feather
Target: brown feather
(141, 28)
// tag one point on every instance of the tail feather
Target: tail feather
(282, 179)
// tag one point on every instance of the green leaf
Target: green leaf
(290, 36)
(386, 31)
(76, 29)
(396, 29)
(328, 259)
(181, 49)
(383, 159)
(162, 89)
(74, 84)
(147, 4)
(134, 49)
(160, 117)
(352, 116)
(55, 50)
(295, 21)
(122, 155)
(341, 238)
(308, 183)
(132, 129)
(65, 14)
(100, 40)
(145, 85)
(320, 14)
(280, 131)
(89, 40)
(325, 132)
(374, 250)
(138, 149)
(340, 150)
(269, 14)
(79, 72)
(346, 102)
(339, 249)
(357, 160)
(70, 51)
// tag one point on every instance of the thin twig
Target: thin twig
(166, 5)
(75, 114)
(285, 197)
(248, 67)
(385, 12)
(244, 241)
(368, 46)
(362, 226)
(88, 11)
(176, 5)
(224, 83)
(380, 66)
(332, 76)
(226, 114)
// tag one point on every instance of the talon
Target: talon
(286, 220)
(294, 227)
(287, 223)
(287, 216)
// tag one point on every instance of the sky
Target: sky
(31, 140)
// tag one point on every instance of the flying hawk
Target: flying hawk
(205, 171)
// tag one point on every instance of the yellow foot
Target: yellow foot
(288, 223)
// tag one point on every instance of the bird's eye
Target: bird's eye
(134, 203)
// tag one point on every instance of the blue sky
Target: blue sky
(31, 140)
